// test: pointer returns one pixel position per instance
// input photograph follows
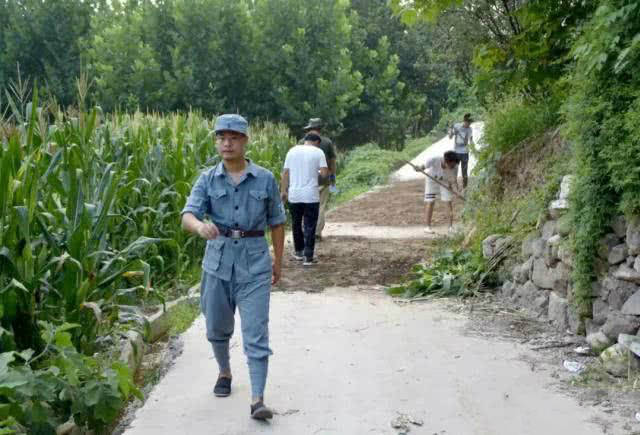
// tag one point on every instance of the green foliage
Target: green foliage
(352, 63)
(451, 273)
(512, 120)
(90, 232)
(305, 63)
(182, 316)
(45, 39)
(39, 392)
(603, 114)
(127, 74)
(369, 165)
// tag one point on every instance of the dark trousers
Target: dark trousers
(304, 218)
(464, 165)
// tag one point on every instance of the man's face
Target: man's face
(231, 144)
(466, 124)
(450, 164)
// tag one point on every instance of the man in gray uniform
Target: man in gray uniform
(240, 198)
(315, 126)
(463, 139)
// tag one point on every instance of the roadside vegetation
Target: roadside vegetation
(370, 165)
(89, 237)
(558, 84)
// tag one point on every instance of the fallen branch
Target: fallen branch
(555, 345)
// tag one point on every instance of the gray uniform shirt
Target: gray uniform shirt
(253, 204)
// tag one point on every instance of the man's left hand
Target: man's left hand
(277, 272)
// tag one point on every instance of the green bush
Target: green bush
(40, 392)
(512, 120)
(603, 116)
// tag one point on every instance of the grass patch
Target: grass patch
(596, 377)
(182, 316)
(369, 165)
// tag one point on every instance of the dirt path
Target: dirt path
(350, 360)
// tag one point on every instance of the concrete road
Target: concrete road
(348, 361)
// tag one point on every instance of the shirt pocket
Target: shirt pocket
(217, 195)
(213, 255)
(259, 260)
(257, 202)
(218, 199)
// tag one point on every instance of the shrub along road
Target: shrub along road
(350, 360)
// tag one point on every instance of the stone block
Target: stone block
(527, 245)
(632, 305)
(566, 186)
(619, 226)
(488, 245)
(633, 235)
(631, 262)
(549, 229)
(598, 341)
(618, 254)
(618, 323)
(606, 244)
(630, 342)
(551, 251)
(558, 311)
(507, 289)
(132, 350)
(565, 254)
(522, 272)
(541, 275)
(537, 247)
(532, 298)
(575, 324)
(558, 208)
(599, 289)
(625, 273)
(619, 361)
(551, 278)
(564, 225)
(619, 292)
(600, 311)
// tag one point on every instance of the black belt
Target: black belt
(238, 234)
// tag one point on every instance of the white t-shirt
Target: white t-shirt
(303, 163)
(462, 137)
(433, 167)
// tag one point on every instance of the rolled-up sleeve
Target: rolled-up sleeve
(275, 209)
(197, 202)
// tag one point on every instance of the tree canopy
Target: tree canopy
(352, 63)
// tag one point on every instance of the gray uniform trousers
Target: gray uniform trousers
(218, 300)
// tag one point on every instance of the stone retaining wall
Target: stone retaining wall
(541, 281)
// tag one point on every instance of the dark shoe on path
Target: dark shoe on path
(298, 256)
(223, 387)
(259, 411)
(309, 261)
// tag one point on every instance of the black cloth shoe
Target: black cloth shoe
(223, 387)
(259, 411)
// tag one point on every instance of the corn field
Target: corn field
(90, 219)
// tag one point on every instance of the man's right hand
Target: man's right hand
(283, 196)
(208, 231)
